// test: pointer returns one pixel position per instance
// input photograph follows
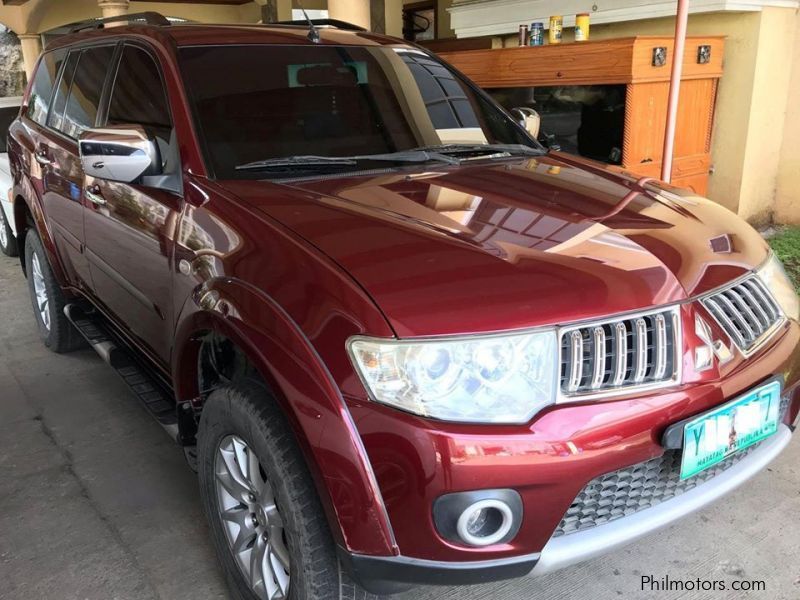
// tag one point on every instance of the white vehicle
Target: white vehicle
(9, 108)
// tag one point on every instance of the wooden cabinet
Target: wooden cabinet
(628, 62)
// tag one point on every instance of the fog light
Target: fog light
(478, 517)
(485, 522)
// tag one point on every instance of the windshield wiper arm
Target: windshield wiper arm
(512, 149)
(407, 156)
(297, 161)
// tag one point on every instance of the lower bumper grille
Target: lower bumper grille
(627, 491)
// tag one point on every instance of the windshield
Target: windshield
(256, 103)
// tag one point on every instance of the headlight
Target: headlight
(476, 379)
(778, 282)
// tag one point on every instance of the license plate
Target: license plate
(715, 435)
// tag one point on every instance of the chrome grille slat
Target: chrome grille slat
(660, 347)
(746, 311)
(576, 357)
(755, 324)
(724, 320)
(767, 296)
(599, 358)
(620, 353)
(737, 318)
(621, 347)
(640, 339)
(764, 318)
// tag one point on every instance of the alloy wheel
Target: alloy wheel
(40, 290)
(250, 518)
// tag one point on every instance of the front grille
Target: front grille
(629, 490)
(620, 353)
(746, 311)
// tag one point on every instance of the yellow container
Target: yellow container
(556, 27)
(581, 27)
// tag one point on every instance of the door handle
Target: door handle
(41, 157)
(92, 193)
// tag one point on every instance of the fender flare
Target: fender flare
(308, 395)
(25, 196)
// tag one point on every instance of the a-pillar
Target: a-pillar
(31, 46)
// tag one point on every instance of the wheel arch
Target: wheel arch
(29, 214)
(253, 324)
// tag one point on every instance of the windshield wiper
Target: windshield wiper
(510, 149)
(297, 161)
(313, 161)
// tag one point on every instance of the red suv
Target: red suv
(400, 341)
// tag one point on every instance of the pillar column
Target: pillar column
(113, 8)
(31, 46)
(352, 11)
(275, 10)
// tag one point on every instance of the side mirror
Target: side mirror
(122, 153)
(529, 119)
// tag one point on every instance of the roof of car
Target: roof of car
(193, 34)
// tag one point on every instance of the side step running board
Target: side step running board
(155, 398)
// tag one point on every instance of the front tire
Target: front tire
(267, 523)
(8, 243)
(48, 300)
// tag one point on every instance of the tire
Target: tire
(8, 243)
(48, 300)
(248, 412)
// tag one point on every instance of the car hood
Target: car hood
(511, 244)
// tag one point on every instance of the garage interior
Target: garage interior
(109, 509)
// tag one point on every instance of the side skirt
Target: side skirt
(157, 400)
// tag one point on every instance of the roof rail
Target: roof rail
(149, 18)
(322, 23)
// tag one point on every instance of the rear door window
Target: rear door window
(42, 88)
(86, 90)
(56, 118)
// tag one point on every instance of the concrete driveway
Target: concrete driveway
(97, 503)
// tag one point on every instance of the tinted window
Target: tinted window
(258, 102)
(86, 89)
(7, 115)
(138, 97)
(56, 118)
(42, 88)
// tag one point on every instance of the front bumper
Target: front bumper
(548, 462)
(384, 575)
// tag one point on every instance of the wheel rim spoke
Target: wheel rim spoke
(282, 578)
(279, 551)
(40, 291)
(256, 560)
(230, 475)
(251, 519)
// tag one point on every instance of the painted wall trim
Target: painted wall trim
(472, 18)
